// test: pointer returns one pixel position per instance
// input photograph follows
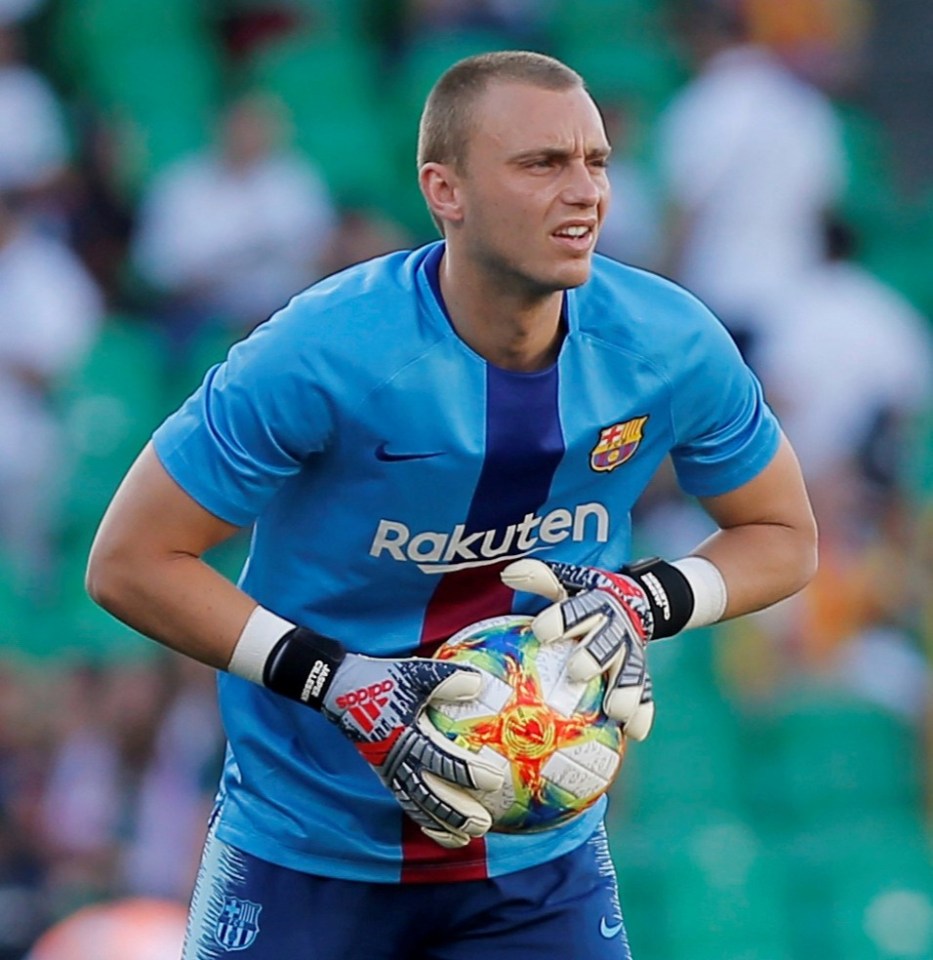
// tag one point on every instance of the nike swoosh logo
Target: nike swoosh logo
(610, 930)
(383, 454)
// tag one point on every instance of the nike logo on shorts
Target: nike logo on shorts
(382, 453)
(610, 930)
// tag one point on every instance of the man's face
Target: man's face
(533, 190)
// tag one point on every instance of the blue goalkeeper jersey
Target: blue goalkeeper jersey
(389, 473)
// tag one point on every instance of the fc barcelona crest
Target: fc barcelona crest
(238, 925)
(617, 444)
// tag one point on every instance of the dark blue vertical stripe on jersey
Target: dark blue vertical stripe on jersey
(524, 444)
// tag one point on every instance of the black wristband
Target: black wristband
(669, 594)
(302, 665)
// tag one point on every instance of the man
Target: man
(50, 314)
(400, 436)
(228, 232)
(751, 156)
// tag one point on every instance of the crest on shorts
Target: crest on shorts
(617, 444)
(238, 925)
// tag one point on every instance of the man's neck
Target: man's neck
(515, 331)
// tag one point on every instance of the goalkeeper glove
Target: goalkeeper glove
(614, 615)
(379, 704)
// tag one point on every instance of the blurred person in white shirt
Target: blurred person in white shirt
(227, 235)
(34, 144)
(50, 313)
(848, 364)
(751, 158)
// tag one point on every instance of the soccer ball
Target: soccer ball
(558, 750)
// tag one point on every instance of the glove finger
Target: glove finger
(462, 684)
(453, 805)
(604, 649)
(456, 764)
(433, 803)
(553, 623)
(452, 841)
(622, 703)
(533, 576)
(639, 725)
(612, 644)
(627, 685)
(589, 661)
(598, 619)
(443, 834)
(422, 678)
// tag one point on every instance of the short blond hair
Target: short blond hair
(446, 121)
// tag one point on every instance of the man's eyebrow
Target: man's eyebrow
(558, 153)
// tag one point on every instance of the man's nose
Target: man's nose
(584, 186)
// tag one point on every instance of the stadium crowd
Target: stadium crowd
(172, 171)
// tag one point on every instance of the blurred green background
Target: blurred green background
(779, 810)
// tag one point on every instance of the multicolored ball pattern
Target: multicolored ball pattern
(560, 753)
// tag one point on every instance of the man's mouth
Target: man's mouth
(577, 236)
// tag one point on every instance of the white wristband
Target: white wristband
(261, 633)
(709, 590)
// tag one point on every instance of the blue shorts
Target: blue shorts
(567, 909)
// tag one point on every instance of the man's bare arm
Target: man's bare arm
(766, 547)
(146, 569)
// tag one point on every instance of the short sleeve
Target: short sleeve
(725, 432)
(251, 425)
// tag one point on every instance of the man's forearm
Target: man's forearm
(181, 602)
(760, 563)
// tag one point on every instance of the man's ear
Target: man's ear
(440, 186)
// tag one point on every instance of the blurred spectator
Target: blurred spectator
(99, 213)
(632, 230)
(751, 159)
(34, 148)
(106, 772)
(171, 807)
(130, 780)
(847, 363)
(94, 753)
(230, 234)
(50, 313)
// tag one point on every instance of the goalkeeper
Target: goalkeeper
(417, 443)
